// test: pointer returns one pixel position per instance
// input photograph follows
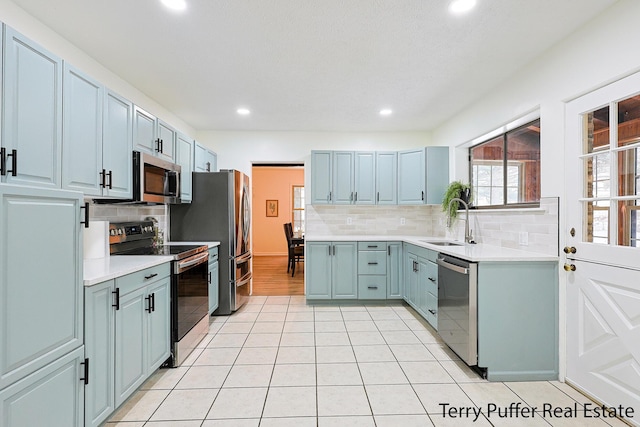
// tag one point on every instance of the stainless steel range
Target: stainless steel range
(189, 282)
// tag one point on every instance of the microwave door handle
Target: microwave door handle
(172, 181)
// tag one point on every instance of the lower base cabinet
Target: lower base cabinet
(331, 270)
(127, 327)
(51, 396)
(421, 276)
(214, 280)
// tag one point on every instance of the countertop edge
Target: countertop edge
(100, 270)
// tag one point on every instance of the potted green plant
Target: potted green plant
(457, 189)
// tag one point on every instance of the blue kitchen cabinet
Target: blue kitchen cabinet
(153, 136)
(394, 270)
(117, 146)
(411, 277)
(41, 327)
(82, 133)
(214, 280)
(31, 112)
(423, 175)
(158, 324)
(331, 270)
(42, 316)
(343, 177)
(205, 159)
(321, 177)
(167, 140)
(51, 396)
(386, 177)
(365, 178)
(99, 340)
(430, 280)
(185, 158)
(317, 269)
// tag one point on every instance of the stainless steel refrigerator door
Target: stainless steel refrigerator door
(242, 214)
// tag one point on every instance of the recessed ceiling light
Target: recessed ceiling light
(243, 111)
(385, 112)
(175, 4)
(461, 6)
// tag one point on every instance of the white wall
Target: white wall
(24, 23)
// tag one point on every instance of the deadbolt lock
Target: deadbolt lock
(569, 249)
(569, 267)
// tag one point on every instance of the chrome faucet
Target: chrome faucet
(468, 238)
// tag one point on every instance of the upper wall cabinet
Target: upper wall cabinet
(423, 175)
(321, 173)
(32, 113)
(184, 157)
(386, 176)
(343, 180)
(205, 159)
(364, 182)
(152, 136)
(97, 138)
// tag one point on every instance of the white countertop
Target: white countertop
(209, 244)
(470, 252)
(102, 269)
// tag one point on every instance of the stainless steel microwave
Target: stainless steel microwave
(155, 180)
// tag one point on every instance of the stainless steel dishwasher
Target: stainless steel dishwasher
(458, 306)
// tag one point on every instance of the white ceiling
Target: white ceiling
(324, 65)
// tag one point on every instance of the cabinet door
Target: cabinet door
(159, 324)
(344, 270)
(423, 287)
(412, 279)
(167, 137)
(213, 286)
(321, 175)
(343, 172)
(394, 271)
(52, 396)
(32, 111)
(200, 158)
(437, 174)
(144, 132)
(131, 324)
(212, 161)
(99, 349)
(387, 178)
(411, 177)
(432, 310)
(317, 269)
(365, 178)
(42, 301)
(117, 146)
(82, 133)
(184, 157)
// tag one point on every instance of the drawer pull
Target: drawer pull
(432, 312)
(432, 279)
(372, 287)
(150, 276)
(372, 246)
(373, 263)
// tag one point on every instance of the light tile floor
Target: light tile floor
(278, 362)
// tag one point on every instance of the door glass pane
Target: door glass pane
(628, 172)
(597, 223)
(629, 121)
(628, 223)
(523, 158)
(596, 136)
(597, 178)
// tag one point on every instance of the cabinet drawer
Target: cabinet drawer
(372, 246)
(372, 287)
(432, 277)
(431, 313)
(213, 254)
(372, 262)
(431, 255)
(136, 280)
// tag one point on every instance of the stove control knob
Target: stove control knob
(112, 232)
(120, 232)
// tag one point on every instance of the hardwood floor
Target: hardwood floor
(270, 276)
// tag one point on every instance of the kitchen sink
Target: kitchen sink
(441, 243)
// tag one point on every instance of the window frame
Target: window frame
(294, 209)
(505, 162)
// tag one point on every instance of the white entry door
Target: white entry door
(602, 155)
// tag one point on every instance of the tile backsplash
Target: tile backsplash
(123, 213)
(506, 228)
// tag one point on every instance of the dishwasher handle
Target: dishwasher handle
(462, 270)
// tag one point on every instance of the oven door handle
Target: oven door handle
(441, 262)
(190, 262)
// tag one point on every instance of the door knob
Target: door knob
(569, 267)
(569, 249)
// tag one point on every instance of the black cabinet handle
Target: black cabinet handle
(372, 246)
(209, 277)
(208, 166)
(432, 312)
(117, 298)
(153, 301)
(103, 178)
(110, 175)
(85, 378)
(14, 162)
(378, 197)
(334, 250)
(372, 287)
(356, 197)
(148, 299)
(373, 263)
(162, 145)
(422, 195)
(389, 250)
(86, 215)
(158, 142)
(432, 279)
(330, 195)
(150, 276)
(3, 161)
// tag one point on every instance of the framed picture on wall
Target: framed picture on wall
(272, 208)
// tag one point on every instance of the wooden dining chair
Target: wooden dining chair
(295, 251)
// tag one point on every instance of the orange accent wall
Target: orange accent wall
(272, 183)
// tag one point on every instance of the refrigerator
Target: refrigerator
(220, 211)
